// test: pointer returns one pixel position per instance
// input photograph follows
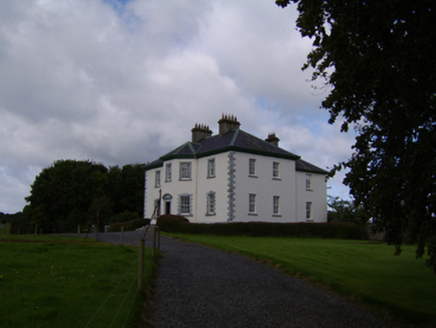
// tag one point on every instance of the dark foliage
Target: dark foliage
(18, 222)
(377, 57)
(264, 229)
(124, 217)
(126, 188)
(71, 193)
(169, 222)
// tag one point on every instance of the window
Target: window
(252, 203)
(168, 172)
(276, 170)
(185, 171)
(210, 203)
(276, 205)
(308, 210)
(157, 179)
(211, 168)
(185, 204)
(252, 167)
(308, 181)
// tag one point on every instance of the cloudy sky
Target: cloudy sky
(123, 82)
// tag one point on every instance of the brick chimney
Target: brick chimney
(272, 139)
(228, 123)
(199, 132)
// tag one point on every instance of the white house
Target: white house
(235, 177)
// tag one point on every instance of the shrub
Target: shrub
(171, 223)
(124, 217)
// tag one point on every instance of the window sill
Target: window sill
(309, 220)
(210, 214)
(211, 177)
(276, 215)
(185, 179)
(252, 214)
(278, 179)
(252, 176)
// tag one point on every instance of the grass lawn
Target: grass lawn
(399, 287)
(69, 282)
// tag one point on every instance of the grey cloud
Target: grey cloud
(123, 84)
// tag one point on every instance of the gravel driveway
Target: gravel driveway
(203, 287)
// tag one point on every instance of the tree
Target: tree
(71, 193)
(348, 211)
(64, 190)
(126, 188)
(377, 58)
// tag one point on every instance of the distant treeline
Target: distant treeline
(73, 193)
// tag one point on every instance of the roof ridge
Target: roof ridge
(270, 144)
(235, 136)
(176, 151)
(192, 147)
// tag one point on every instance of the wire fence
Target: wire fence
(117, 307)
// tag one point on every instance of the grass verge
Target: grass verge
(399, 287)
(68, 282)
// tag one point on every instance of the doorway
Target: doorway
(167, 200)
(167, 207)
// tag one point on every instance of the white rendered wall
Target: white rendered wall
(290, 186)
(217, 184)
(265, 186)
(317, 195)
(175, 187)
(151, 193)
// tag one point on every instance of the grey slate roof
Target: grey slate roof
(237, 140)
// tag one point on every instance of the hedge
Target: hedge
(170, 223)
(338, 230)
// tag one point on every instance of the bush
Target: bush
(265, 229)
(171, 223)
(124, 217)
(131, 225)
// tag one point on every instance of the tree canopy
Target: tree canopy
(71, 193)
(377, 59)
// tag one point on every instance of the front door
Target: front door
(167, 199)
(168, 207)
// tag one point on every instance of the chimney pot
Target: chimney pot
(228, 123)
(200, 132)
(272, 139)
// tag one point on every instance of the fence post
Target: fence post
(122, 235)
(36, 229)
(141, 265)
(78, 229)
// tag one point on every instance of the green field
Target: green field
(69, 282)
(400, 287)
